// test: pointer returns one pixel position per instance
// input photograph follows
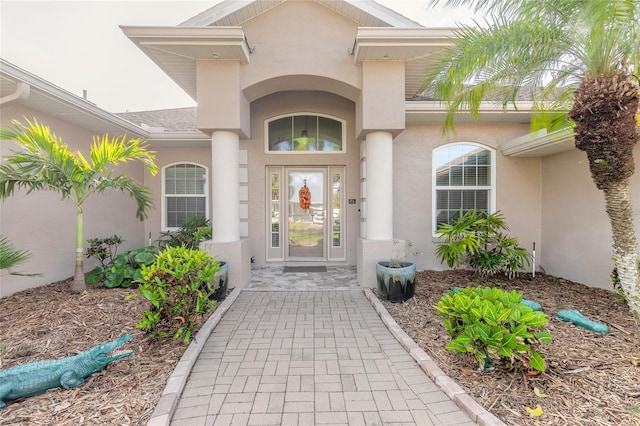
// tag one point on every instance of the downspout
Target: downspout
(22, 92)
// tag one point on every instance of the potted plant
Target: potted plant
(396, 277)
(221, 280)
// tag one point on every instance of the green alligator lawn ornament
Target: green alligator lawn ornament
(36, 377)
(574, 316)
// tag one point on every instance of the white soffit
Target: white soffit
(539, 144)
(434, 112)
(366, 13)
(415, 46)
(176, 49)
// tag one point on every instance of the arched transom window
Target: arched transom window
(304, 133)
(464, 179)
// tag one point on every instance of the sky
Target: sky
(78, 45)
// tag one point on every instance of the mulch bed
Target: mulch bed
(591, 379)
(49, 322)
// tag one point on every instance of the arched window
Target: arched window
(184, 194)
(300, 133)
(464, 179)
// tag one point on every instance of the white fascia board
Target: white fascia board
(539, 143)
(384, 14)
(66, 98)
(397, 41)
(485, 106)
(157, 37)
(215, 13)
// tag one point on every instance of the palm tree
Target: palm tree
(577, 56)
(45, 163)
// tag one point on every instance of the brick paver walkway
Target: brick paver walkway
(305, 358)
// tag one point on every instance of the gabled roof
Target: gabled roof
(366, 13)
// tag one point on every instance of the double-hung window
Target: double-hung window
(464, 177)
(184, 193)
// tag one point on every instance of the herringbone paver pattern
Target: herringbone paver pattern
(305, 358)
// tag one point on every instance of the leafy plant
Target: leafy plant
(178, 286)
(491, 325)
(124, 269)
(104, 250)
(193, 231)
(476, 239)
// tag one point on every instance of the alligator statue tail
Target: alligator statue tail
(36, 377)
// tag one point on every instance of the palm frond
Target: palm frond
(11, 256)
(543, 46)
(141, 194)
(106, 151)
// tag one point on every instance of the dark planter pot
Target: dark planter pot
(220, 279)
(396, 284)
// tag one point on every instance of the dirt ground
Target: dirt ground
(591, 380)
(51, 323)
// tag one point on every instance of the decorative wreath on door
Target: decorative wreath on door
(305, 197)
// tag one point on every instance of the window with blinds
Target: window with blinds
(463, 181)
(185, 193)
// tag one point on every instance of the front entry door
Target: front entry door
(305, 214)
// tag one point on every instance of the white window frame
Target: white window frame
(434, 187)
(315, 114)
(163, 203)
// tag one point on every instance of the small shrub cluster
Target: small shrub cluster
(195, 230)
(178, 286)
(117, 270)
(104, 249)
(493, 327)
(476, 239)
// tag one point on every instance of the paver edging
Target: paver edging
(165, 408)
(475, 411)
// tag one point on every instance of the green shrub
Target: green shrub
(476, 239)
(124, 269)
(492, 326)
(195, 230)
(104, 249)
(178, 286)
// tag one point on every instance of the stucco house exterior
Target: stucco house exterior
(327, 94)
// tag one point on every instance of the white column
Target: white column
(225, 192)
(379, 146)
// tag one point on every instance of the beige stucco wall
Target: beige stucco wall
(43, 224)
(300, 39)
(517, 189)
(576, 231)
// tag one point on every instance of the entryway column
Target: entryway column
(225, 190)
(379, 169)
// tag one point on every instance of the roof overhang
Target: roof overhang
(434, 112)
(159, 138)
(415, 46)
(18, 86)
(176, 49)
(539, 143)
(237, 12)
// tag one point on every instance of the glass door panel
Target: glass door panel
(306, 218)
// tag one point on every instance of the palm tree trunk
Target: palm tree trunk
(625, 248)
(78, 285)
(604, 111)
